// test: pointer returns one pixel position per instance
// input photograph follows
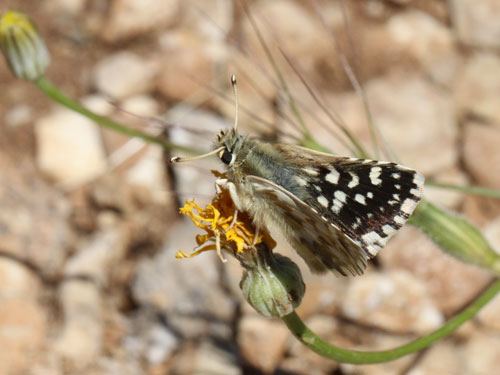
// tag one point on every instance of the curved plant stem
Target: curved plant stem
(50, 90)
(313, 342)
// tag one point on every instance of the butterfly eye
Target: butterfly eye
(226, 156)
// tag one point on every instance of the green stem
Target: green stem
(50, 90)
(477, 190)
(313, 342)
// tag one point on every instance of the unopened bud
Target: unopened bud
(22, 46)
(271, 283)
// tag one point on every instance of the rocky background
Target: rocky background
(89, 283)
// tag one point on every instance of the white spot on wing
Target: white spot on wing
(403, 168)
(388, 230)
(360, 199)
(396, 176)
(369, 195)
(300, 181)
(408, 206)
(354, 182)
(399, 220)
(415, 192)
(418, 179)
(395, 196)
(340, 195)
(397, 186)
(373, 242)
(323, 201)
(355, 225)
(310, 171)
(374, 175)
(338, 202)
(337, 206)
(333, 176)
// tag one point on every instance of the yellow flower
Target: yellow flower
(22, 46)
(271, 283)
(223, 231)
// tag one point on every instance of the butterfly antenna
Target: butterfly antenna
(178, 159)
(236, 105)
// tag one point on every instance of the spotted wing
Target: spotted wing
(367, 200)
(319, 241)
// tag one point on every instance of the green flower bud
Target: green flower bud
(456, 236)
(22, 46)
(271, 283)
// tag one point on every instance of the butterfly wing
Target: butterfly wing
(367, 200)
(322, 244)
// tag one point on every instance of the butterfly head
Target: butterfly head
(228, 143)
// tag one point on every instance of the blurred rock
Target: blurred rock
(188, 64)
(381, 341)
(150, 340)
(99, 104)
(207, 358)
(482, 153)
(17, 280)
(329, 329)
(400, 104)
(324, 293)
(440, 358)
(212, 19)
(412, 251)
(476, 90)
(132, 18)
(212, 359)
(476, 22)
(186, 291)
(72, 7)
(299, 366)
(197, 129)
(141, 105)
(395, 301)
(94, 258)
(19, 115)
(80, 342)
(480, 210)
(23, 330)
(69, 148)
(421, 37)
(308, 43)
(124, 74)
(447, 197)
(262, 342)
(482, 353)
(492, 234)
(33, 218)
(149, 172)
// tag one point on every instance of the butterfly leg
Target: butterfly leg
(218, 247)
(235, 217)
(223, 183)
(220, 183)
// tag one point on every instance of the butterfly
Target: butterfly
(336, 212)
